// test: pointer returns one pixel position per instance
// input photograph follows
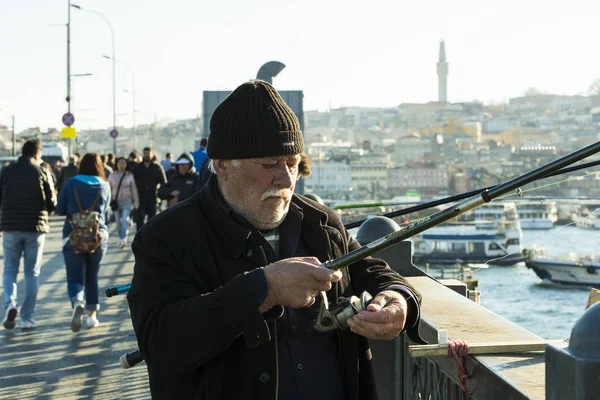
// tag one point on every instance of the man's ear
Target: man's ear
(221, 167)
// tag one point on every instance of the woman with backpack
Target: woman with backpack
(124, 196)
(84, 200)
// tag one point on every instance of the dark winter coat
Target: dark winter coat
(147, 180)
(187, 184)
(67, 172)
(26, 197)
(194, 314)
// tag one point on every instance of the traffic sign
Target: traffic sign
(114, 133)
(68, 133)
(68, 119)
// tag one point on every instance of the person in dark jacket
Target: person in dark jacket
(92, 189)
(26, 199)
(149, 175)
(183, 184)
(107, 169)
(67, 172)
(110, 161)
(226, 284)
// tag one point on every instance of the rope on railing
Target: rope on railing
(458, 350)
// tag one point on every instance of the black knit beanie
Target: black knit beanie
(252, 122)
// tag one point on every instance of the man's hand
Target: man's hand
(384, 319)
(295, 282)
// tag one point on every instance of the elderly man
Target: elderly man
(224, 294)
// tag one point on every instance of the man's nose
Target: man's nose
(284, 178)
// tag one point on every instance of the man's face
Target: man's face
(260, 189)
(147, 155)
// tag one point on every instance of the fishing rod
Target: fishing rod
(344, 309)
(337, 316)
(453, 198)
(116, 290)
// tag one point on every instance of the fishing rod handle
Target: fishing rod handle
(131, 359)
(113, 291)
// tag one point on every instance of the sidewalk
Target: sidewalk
(52, 362)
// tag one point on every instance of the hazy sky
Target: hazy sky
(343, 53)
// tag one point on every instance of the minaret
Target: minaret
(442, 70)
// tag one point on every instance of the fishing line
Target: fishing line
(573, 178)
(580, 177)
(527, 244)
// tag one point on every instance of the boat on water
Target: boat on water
(536, 214)
(566, 269)
(473, 242)
(587, 218)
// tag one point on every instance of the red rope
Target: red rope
(458, 350)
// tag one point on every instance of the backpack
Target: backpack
(85, 237)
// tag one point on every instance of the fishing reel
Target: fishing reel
(337, 316)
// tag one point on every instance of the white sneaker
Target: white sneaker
(92, 322)
(28, 324)
(10, 317)
(76, 319)
(123, 243)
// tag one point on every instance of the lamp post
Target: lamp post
(132, 96)
(112, 32)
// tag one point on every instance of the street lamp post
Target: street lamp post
(112, 32)
(132, 96)
(68, 66)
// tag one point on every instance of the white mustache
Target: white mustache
(274, 192)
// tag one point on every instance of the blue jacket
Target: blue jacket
(87, 188)
(199, 157)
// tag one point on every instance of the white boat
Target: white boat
(473, 242)
(568, 269)
(496, 211)
(537, 214)
(588, 219)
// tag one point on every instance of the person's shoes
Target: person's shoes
(76, 319)
(92, 322)
(123, 244)
(28, 324)
(10, 317)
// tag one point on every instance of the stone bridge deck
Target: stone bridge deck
(52, 362)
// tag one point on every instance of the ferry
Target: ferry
(475, 242)
(537, 214)
(496, 211)
(567, 269)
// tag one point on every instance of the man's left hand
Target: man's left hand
(384, 319)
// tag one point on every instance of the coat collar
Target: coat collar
(319, 242)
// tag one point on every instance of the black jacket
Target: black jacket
(26, 198)
(147, 180)
(204, 172)
(194, 314)
(67, 172)
(187, 184)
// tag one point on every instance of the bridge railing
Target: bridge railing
(400, 376)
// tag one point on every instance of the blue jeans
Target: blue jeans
(31, 245)
(122, 218)
(82, 274)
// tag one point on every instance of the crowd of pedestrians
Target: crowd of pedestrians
(92, 192)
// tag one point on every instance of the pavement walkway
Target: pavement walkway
(52, 362)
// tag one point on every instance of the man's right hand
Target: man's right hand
(295, 282)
